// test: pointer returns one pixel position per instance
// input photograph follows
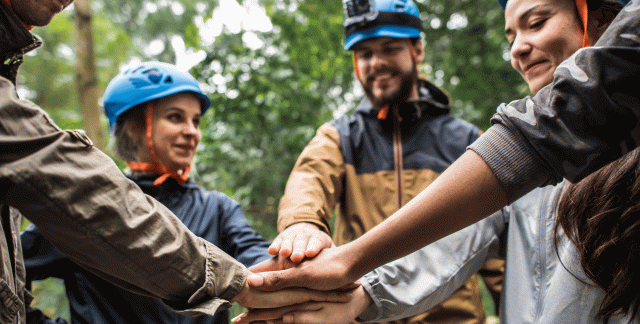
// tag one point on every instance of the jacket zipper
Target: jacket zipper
(397, 150)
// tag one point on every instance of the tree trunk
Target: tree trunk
(86, 74)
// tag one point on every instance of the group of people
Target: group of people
(403, 174)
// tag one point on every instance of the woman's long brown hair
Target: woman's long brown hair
(601, 216)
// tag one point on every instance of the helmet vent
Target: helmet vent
(154, 75)
(137, 69)
(168, 80)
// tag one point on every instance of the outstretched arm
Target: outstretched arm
(465, 193)
(564, 131)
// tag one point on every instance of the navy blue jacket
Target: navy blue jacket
(208, 214)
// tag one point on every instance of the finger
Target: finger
(310, 314)
(274, 248)
(264, 314)
(286, 247)
(272, 280)
(274, 314)
(299, 248)
(350, 286)
(314, 247)
(271, 264)
(293, 296)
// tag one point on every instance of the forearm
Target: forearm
(419, 281)
(464, 194)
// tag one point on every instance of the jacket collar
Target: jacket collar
(15, 41)
(144, 179)
(432, 102)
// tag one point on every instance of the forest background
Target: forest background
(275, 70)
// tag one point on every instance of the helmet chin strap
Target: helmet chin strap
(156, 167)
(384, 111)
(583, 12)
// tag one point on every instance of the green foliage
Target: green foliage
(267, 104)
(464, 47)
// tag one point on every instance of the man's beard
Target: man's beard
(407, 81)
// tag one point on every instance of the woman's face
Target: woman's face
(175, 133)
(542, 34)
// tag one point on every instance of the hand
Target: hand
(330, 269)
(274, 264)
(253, 298)
(312, 312)
(299, 241)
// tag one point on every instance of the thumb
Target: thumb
(255, 280)
(270, 264)
(271, 281)
(274, 263)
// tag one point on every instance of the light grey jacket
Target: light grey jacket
(538, 287)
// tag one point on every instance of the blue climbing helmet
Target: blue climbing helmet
(503, 3)
(145, 82)
(366, 19)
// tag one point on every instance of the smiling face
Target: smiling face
(175, 133)
(38, 12)
(542, 33)
(387, 69)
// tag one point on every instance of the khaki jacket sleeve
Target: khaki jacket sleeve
(83, 204)
(315, 184)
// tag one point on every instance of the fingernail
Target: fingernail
(287, 319)
(255, 280)
(235, 319)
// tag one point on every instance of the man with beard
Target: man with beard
(399, 139)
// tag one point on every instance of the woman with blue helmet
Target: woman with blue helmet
(586, 278)
(153, 112)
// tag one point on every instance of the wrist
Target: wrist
(351, 260)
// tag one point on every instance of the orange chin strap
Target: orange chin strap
(156, 167)
(583, 12)
(29, 27)
(384, 111)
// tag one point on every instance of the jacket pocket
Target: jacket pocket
(10, 304)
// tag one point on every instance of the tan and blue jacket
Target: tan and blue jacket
(364, 169)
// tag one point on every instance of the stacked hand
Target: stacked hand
(334, 311)
(328, 296)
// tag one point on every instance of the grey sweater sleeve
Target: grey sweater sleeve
(586, 118)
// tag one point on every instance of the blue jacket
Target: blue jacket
(208, 214)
